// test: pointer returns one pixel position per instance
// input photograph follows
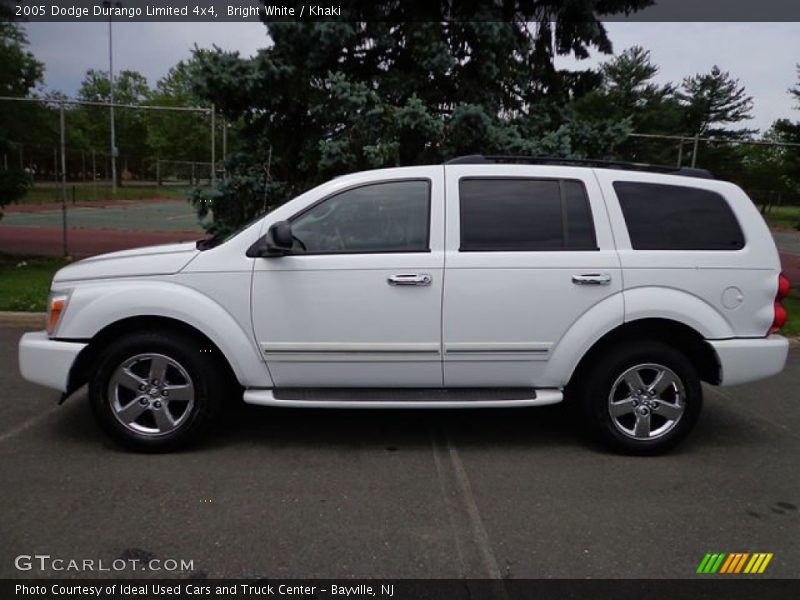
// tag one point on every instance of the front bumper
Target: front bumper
(45, 361)
(749, 359)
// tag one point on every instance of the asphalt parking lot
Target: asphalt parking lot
(507, 493)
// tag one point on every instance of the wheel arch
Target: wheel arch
(98, 312)
(679, 335)
(87, 359)
(669, 315)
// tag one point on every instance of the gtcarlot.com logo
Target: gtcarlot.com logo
(45, 562)
(734, 563)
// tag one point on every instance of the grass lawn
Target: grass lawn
(786, 217)
(25, 281)
(792, 306)
(86, 192)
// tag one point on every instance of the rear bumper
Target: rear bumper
(45, 361)
(744, 359)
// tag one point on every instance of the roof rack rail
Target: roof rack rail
(478, 159)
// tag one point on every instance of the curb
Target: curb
(26, 319)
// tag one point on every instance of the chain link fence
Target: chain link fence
(161, 152)
(68, 143)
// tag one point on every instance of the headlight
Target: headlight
(56, 304)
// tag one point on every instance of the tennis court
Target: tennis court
(94, 228)
(131, 216)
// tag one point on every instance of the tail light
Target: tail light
(780, 313)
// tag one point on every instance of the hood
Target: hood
(164, 259)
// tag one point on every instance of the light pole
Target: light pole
(108, 4)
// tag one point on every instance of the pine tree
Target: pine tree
(20, 73)
(332, 97)
(714, 101)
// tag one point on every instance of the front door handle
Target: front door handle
(410, 279)
(591, 279)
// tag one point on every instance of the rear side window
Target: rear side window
(673, 217)
(524, 215)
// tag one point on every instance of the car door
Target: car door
(358, 302)
(529, 251)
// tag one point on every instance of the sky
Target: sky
(761, 55)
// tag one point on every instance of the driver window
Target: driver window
(383, 217)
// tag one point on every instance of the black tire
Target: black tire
(193, 359)
(593, 391)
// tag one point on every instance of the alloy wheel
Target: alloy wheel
(647, 401)
(151, 394)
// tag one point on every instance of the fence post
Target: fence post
(111, 108)
(213, 147)
(680, 153)
(694, 150)
(94, 176)
(224, 148)
(63, 181)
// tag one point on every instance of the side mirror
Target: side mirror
(279, 236)
(277, 242)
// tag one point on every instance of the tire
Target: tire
(156, 392)
(623, 405)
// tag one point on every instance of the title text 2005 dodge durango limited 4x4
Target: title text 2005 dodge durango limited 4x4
(483, 282)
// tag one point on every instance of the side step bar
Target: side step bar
(402, 397)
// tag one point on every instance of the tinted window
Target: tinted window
(524, 214)
(580, 227)
(384, 217)
(672, 217)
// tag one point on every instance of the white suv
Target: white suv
(484, 282)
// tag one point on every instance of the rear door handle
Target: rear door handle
(410, 279)
(591, 279)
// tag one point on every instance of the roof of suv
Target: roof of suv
(476, 159)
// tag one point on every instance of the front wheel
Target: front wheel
(155, 392)
(641, 398)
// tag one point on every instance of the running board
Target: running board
(402, 397)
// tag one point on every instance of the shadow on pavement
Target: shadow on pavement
(721, 425)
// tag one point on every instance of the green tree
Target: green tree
(330, 97)
(628, 90)
(20, 73)
(713, 102)
(130, 87)
(177, 135)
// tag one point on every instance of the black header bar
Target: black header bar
(391, 10)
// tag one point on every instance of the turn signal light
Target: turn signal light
(54, 311)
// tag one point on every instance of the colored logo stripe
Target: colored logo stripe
(733, 563)
(711, 563)
(731, 560)
(758, 563)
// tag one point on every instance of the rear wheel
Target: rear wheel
(155, 392)
(641, 398)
